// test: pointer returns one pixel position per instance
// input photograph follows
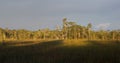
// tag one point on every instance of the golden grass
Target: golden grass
(80, 51)
(84, 42)
(75, 42)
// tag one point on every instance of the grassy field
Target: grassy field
(59, 51)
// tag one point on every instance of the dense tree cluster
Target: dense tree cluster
(69, 30)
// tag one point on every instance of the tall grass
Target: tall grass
(59, 51)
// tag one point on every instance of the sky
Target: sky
(39, 14)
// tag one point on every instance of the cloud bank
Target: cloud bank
(103, 26)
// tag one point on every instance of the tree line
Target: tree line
(69, 30)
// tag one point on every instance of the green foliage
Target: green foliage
(70, 30)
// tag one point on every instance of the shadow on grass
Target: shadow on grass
(55, 52)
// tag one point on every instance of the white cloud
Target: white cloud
(103, 26)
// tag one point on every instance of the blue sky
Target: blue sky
(38, 14)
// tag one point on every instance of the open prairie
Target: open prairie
(60, 51)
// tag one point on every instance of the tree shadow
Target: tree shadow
(15, 43)
(29, 53)
(30, 43)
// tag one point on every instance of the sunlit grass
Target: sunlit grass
(75, 42)
(81, 42)
(61, 51)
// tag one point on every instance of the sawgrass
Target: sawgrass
(61, 51)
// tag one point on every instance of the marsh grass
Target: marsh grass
(59, 51)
